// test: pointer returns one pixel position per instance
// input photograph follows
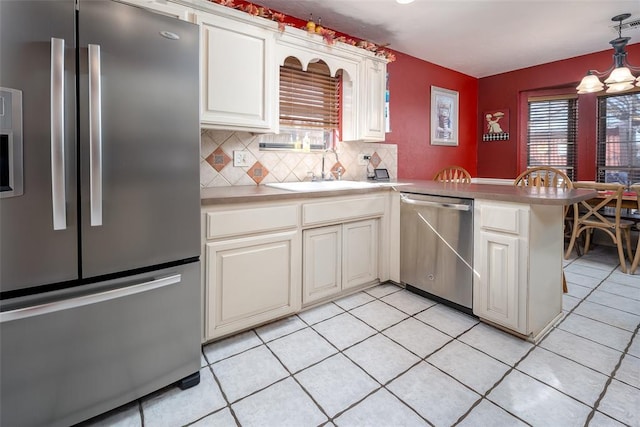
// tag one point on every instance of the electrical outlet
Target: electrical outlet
(241, 158)
(363, 159)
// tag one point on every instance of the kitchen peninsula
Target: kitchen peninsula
(305, 248)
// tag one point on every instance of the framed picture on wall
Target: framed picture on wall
(444, 116)
(496, 125)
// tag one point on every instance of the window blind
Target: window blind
(618, 146)
(552, 134)
(309, 99)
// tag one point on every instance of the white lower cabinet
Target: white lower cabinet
(322, 262)
(339, 257)
(251, 280)
(252, 265)
(359, 253)
(498, 294)
(518, 266)
(265, 260)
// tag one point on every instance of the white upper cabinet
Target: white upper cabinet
(363, 80)
(308, 48)
(237, 75)
(240, 64)
(165, 8)
(373, 82)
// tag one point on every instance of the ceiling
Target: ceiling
(476, 37)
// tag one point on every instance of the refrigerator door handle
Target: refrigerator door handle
(39, 310)
(95, 135)
(58, 197)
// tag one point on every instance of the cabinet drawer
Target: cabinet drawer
(250, 220)
(341, 210)
(503, 218)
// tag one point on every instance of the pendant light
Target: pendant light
(620, 79)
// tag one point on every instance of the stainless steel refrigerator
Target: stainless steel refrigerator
(99, 208)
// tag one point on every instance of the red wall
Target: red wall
(410, 81)
(502, 159)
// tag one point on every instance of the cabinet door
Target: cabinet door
(360, 253)
(497, 292)
(165, 8)
(251, 280)
(373, 96)
(322, 262)
(238, 76)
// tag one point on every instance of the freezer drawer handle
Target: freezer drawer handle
(455, 206)
(53, 307)
(95, 135)
(58, 197)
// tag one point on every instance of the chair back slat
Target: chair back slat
(636, 189)
(607, 193)
(589, 215)
(453, 174)
(543, 176)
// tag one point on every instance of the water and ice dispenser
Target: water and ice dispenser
(11, 169)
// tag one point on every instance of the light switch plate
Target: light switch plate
(363, 159)
(241, 158)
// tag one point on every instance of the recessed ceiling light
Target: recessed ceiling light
(405, 1)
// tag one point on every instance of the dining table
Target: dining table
(629, 198)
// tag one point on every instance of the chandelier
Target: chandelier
(620, 78)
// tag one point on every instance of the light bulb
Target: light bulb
(619, 87)
(620, 75)
(589, 84)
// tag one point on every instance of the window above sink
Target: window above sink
(310, 107)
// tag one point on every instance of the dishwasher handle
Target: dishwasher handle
(439, 205)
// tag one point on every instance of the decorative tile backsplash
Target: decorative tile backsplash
(217, 170)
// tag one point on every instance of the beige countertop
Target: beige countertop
(255, 193)
(498, 192)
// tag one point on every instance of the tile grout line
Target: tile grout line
(596, 404)
(381, 332)
(292, 376)
(424, 359)
(141, 412)
(515, 365)
(341, 352)
(594, 407)
(421, 359)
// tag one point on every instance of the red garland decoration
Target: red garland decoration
(328, 36)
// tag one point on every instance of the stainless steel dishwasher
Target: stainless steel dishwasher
(436, 248)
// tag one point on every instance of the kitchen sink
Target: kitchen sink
(322, 185)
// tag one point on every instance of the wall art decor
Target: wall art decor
(496, 125)
(444, 116)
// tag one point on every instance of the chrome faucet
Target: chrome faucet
(327, 175)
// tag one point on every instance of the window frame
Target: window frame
(570, 165)
(310, 107)
(604, 140)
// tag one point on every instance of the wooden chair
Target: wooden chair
(453, 174)
(588, 216)
(636, 258)
(546, 176)
(543, 176)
